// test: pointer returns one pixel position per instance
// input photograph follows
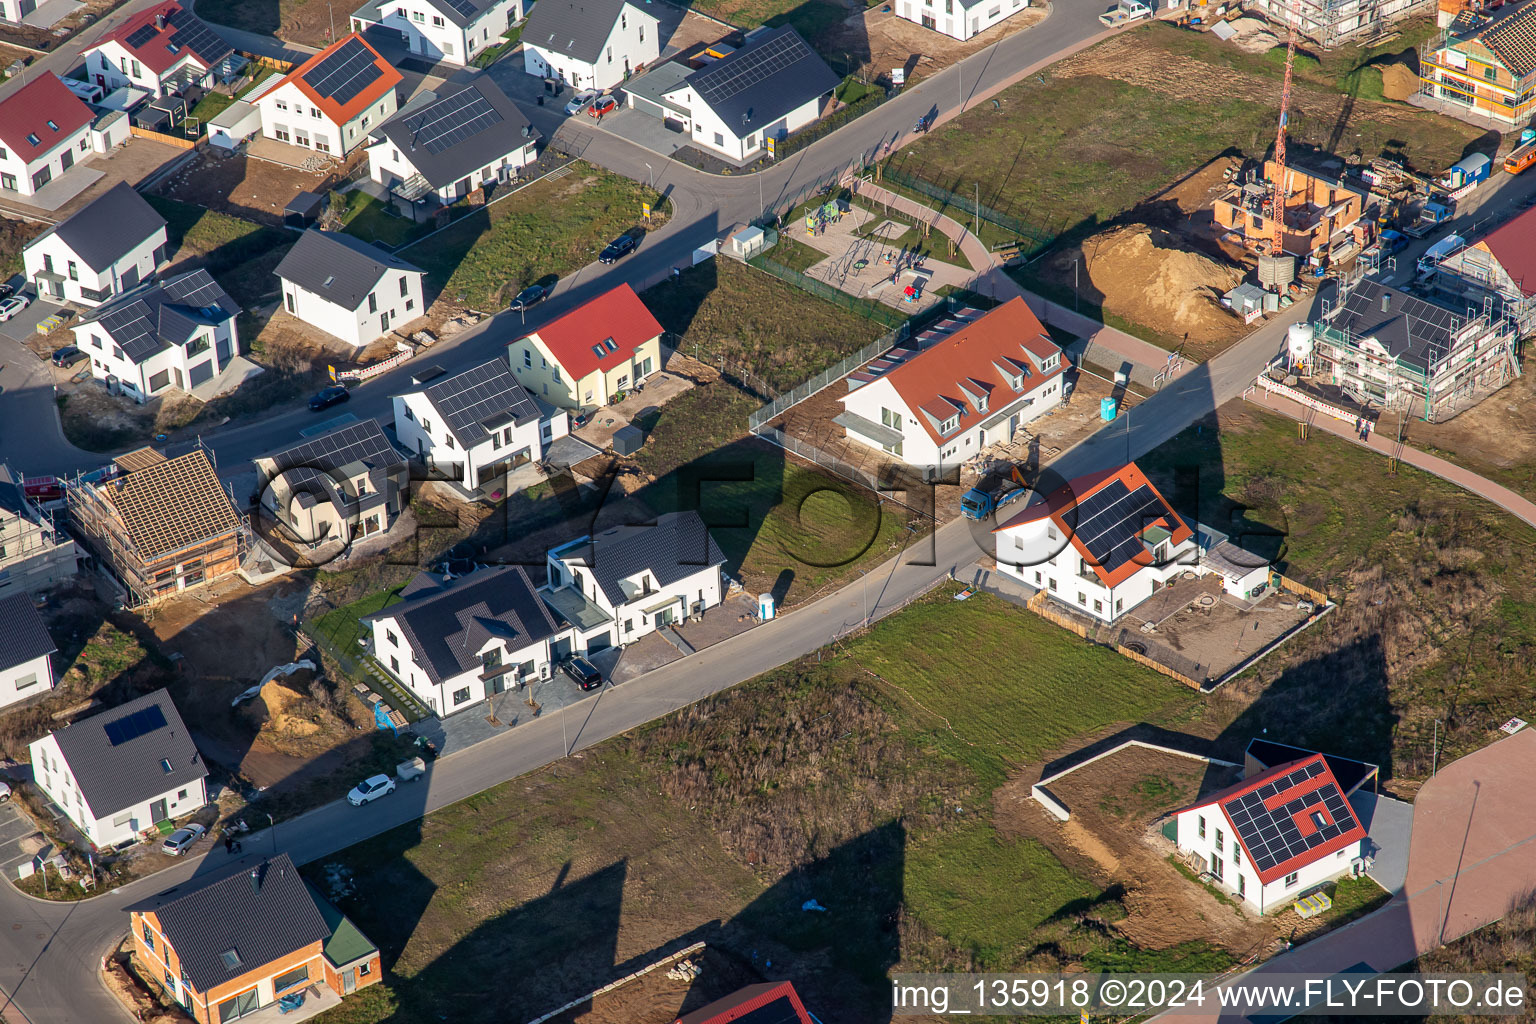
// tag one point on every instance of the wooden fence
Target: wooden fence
(1040, 604)
(1156, 666)
(1317, 597)
(260, 61)
(170, 140)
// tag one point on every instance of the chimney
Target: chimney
(256, 878)
(160, 22)
(1386, 301)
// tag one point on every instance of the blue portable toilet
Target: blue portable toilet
(765, 606)
(1108, 407)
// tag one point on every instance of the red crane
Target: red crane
(1281, 186)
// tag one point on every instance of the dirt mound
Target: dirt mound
(1398, 81)
(1145, 276)
(1253, 35)
(284, 708)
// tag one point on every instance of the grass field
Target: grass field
(551, 227)
(239, 254)
(365, 217)
(340, 625)
(810, 17)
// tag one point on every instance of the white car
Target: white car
(370, 789)
(177, 842)
(580, 100)
(10, 307)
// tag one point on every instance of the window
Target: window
(283, 982)
(719, 139)
(1220, 841)
(322, 145)
(1491, 74)
(8, 181)
(555, 374)
(1038, 577)
(642, 33)
(1098, 605)
(1201, 821)
(410, 304)
(230, 958)
(373, 303)
(418, 16)
(1291, 879)
(460, 696)
(159, 380)
(623, 22)
(389, 635)
(394, 664)
(74, 272)
(1119, 605)
(1052, 583)
(437, 22)
(405, 284)
(26, 680)
(165, 766)
(149, 936)
(1237, 854)
(181, 795)
(34, 139)
(314, 112)
(527, 359)
(610, 55)
(1082, 599)
(96, 340)
(280, 104)
(122, 819)
(364, 969)
(136, 71)
(1242, 885)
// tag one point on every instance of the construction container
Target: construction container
(765, 606)
(628, 440)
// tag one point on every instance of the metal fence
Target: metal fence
(805, 389)
(887, 487)
(821, 129)
(869, 308)
(897, 172)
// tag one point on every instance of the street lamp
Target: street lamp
(272, 831)
(864, 589)
(651, 175)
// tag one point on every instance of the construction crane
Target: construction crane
(1281, 186)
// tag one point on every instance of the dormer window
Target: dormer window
(950, 424)
(34, 139)
(981, 403)
(53, 126)
(1017, 382)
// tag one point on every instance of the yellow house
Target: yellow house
(1484, 68)
(591, 354)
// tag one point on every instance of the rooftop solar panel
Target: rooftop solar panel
(737, 76)
(131, 727)
(141, 35)
(1269, 831)
(345, 73)
(194, 34)
(450, 121)
(464, 7)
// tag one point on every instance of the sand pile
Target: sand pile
(1398, 81)
(1253, 35)
(1145, 276)
(284, 707)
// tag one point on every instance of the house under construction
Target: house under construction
(1322, 221)
(1392, 350)
(1332, 22)
(160, 526)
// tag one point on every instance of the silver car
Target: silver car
(177, 842)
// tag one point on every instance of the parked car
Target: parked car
(5, 792)
(583, 673)
(67, 356)
(603, 105)
(370, 789)
(10, 307)
(618, 249)
(177, 842)
(6, 291)
(530, 297)
(580, 100)
(333, 395)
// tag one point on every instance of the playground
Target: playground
(871, 256)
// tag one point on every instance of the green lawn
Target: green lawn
(340, 625)
(211, 105)
(368, 219)
(810, 17)
(552, 227)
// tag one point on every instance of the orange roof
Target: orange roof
(1062, 507)
(960, 375)
(600, 334)
(384, 79)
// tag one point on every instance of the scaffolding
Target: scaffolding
(1332, 22)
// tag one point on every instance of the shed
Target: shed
(628, 440)
(303, 210)
(125, 98)
(750, 241)
(1246, 300)
(233, 125)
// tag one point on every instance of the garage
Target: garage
(599, 643)
(199, 373)
(560, 649)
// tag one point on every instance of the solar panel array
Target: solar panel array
(452, 120)
(1110, 520)
(141, 35)
(186, 30)
(1270, 834)
(345, 73)
(474, 396)
(750, 68)
(464, 7)
(356, 442)
(131, 727)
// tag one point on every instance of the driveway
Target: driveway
(22, 326)
(14, 827)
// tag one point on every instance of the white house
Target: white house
(772, 86)
(108, 247)
(630, 581)
(1279, 834)
(455, 642)
(169, 334)
(1101, 543)
(446, 31)
(589, 44)
(44, 131)
(161, 49)
(333, 100)
(26, 665)
(449, 143)
(346, 484)
(349, 289)
(983, 378)
(960, 19)
(120, 772)
(478, 426)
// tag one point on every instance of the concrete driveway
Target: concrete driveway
(14, 827)
(22, 326)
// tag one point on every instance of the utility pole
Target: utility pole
(978, 211)
(332, 16)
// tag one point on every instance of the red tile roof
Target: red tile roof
(28, 111)
(160, 52)
(751, 1005)
(1514, 245)
(947, 379)
(617, 317)
(1059, 505)
(338, 112)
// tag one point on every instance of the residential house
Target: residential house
(477, 427)
(1392, 350)
(455, 642)
(34, 553)
(1282, 832)
(347, 484)
(449, 143)
(1497, 273)
(1337, 22)
(347, 288)
(108, 247)
(159, 526)
(1244, 574)
(772, 86)
(26, 650)
(44, 130)
(446, 31)
(333, 100)
(589, 44)
(226, 947)
(178, 333)
(162, 50)
(1483, 68)
(122, 771)
(971, 381)
(1323, 215)
(1101, 543)
(959, 19)
(584, 358)
(629, 581)
(768, 1002)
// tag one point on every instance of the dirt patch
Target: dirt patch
(1499, 431)
(1253, 35)
(239, 185)
(667, 993)
(1399, 81)
(880, 41)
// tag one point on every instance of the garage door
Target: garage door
(560, 649)
(649, 107)
(199, 373)
(599, 643)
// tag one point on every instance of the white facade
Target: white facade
(389, 166)
(648, 607)
(119, 825)
(712, 132)
(1205, 832)
(463, 691)
(428, 32)
(173, 366)
(26, 176)
(633, 42)
(955, 19)
(112, 65)
(420, 429)
(288, 115)
(51, 255)
(19, 682)
(395, 300)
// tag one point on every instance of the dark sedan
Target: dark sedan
(333, 395)
(618, 249)
(583, 673)
(530, 297)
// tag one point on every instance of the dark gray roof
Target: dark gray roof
(22, 633)
(116, 756)
(338, 267)
(1412, 330)
(261, 915)
(107, 228)
(318, 459)
(159, 314)
(764, 80)
(459, 131)
(575, 28)
(447, 622)
(675, 546)
(461, 12)
(482, 400)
